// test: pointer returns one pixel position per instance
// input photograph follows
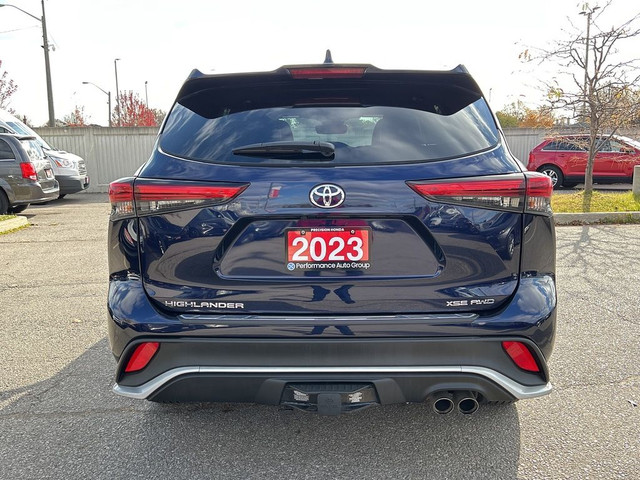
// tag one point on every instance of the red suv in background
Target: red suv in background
(564, 159)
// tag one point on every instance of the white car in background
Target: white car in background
(69, 169)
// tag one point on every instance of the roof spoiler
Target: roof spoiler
(195, 73)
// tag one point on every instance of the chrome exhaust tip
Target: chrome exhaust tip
(443, 402)
(466, 402)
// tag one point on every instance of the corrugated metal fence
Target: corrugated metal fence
(112, 153)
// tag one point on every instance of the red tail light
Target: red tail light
(121, 198)
(141, 356)
(29, 171)
(539, 189)
(512, 192)
(521, 356)
(157, 196)
(327, 72)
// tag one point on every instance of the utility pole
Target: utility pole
(47, 66)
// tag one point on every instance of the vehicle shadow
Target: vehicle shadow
(73, 426)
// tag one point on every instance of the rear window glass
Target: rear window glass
(33, 150)
(365, 126)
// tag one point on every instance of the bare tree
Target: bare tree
(7, 88)
(595, 85)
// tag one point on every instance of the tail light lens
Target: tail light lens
(539, 189)
(141, 356)
(521, 356)
(29, 171)
(512, 192)
(147, 197)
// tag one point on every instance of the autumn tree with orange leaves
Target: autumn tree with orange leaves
(131, 111)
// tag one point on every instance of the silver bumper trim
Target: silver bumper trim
(516, 389)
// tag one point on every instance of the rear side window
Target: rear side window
(6, 153)
(401, 123)
(566, 145)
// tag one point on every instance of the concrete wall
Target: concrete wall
(112, 153)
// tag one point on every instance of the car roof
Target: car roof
(17, 136)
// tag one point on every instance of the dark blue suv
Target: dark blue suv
(331, 237)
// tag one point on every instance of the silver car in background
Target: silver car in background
(69, 169)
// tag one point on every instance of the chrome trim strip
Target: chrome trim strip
(236, 319)
(516, 389)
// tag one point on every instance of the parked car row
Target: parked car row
(32, 171)
(564, 159)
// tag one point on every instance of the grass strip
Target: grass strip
(600, 202)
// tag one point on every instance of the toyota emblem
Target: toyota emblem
(327, 196)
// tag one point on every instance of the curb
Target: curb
(595, 218)
(13, 224)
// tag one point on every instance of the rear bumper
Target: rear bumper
(34, 193)
(252, 358)
(258, 370)
(267, 384)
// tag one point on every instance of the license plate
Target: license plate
(328, 247)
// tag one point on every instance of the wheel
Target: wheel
(554, 173)
(4, 202)
(18, 208)
(62, 196)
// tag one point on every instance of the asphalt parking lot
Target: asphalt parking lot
(59, 418)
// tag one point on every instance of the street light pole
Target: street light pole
(115, 66)
(108, 94)
(47, 65)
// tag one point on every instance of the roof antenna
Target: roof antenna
(327, 58)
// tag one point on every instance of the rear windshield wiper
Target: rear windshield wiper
(297, 150)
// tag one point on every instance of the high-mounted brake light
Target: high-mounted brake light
(29, 171)
(141, 356)
(521, 356)
(327, 72)
(512, 192)
(157, 196)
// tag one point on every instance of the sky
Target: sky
(160, 42)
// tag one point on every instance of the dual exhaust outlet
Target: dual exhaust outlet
(445, 402)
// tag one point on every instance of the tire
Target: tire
(60, 197)
(553, 172)
(18, 208)
(4, 203)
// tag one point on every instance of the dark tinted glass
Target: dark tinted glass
(577, 145)
(383, 131)
(5, 151)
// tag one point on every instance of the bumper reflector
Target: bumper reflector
(141, 356)
(521, 356)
